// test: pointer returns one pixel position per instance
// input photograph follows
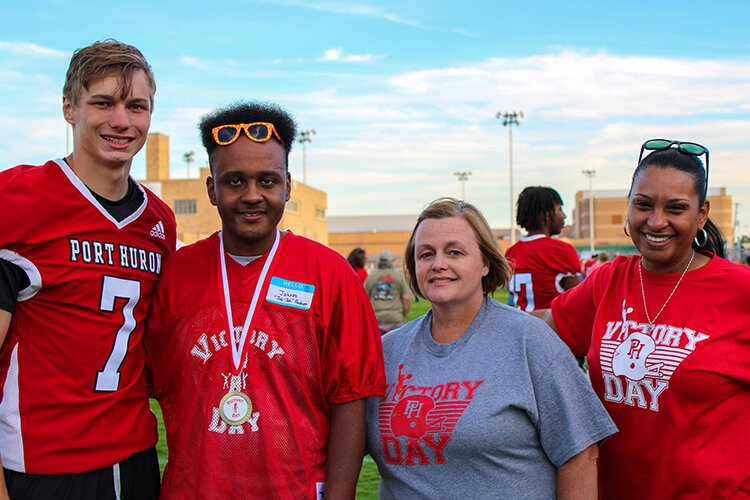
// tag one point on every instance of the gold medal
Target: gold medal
(235, 408)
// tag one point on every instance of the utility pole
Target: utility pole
(589, 172)
(736, 230)
(188, 157)
(305, 137)
(510, 119)
(462, 177)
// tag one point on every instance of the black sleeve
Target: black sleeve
(12, 280)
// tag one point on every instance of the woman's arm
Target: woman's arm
(576, 479)
(546, 316)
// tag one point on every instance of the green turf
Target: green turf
(161, 445)
(367, 487)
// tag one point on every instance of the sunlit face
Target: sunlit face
(557, 220)
(448, 262)
(250, 187)
(107, 129)
(664, 216)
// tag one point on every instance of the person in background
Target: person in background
(358, 259)
(587, 263)
(543, 267)
(389, 293)
(482, 400)
(667, 337)
(262, 343)
(601, 259)
(81, 247)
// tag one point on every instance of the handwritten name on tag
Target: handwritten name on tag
(290, 293)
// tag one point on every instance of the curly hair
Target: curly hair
(536, 204)
(249, 112)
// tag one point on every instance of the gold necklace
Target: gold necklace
(643, 290)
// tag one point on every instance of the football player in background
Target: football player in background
(81, 247)
(543, 267)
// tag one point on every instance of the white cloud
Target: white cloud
(337, 55)
(348, 8)
(389, 143)
(583, 110)
(591, 86)
(369, 11)
(31, 50)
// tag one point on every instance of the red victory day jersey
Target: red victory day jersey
(314, 341)
(678, 391)
(74, 397)
(539, 263)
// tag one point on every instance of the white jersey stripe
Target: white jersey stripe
(35, 277)
(11, 439)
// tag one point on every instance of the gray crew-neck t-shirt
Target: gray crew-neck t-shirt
(491, 415)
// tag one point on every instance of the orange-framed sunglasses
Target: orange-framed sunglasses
(225, 135)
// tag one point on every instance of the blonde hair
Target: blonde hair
(443, 208)
(103, 59)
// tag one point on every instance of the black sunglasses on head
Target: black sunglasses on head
(688, 148)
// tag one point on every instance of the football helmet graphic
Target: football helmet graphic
(631, 356)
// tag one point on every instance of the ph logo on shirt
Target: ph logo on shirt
(638, 359)
(417, 422)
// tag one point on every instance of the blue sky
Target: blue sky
(404, 94)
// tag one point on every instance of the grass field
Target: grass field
(367, 487)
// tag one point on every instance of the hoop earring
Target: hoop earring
(625, 229)
(697, 241)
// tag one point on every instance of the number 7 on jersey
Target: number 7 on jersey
(108, 379)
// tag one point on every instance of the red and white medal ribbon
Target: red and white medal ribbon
(239, 344)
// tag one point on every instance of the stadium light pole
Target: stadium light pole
(736, 230)
(589, 172)
(188, 157)
(463, 177)
(509, 119)
(305, 138)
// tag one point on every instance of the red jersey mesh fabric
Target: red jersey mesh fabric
(296, 362)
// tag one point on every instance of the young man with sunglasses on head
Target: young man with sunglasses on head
(81, 247)
(275, 408)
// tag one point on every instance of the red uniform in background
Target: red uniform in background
(314, 342)
(73, 389)
(539, 263)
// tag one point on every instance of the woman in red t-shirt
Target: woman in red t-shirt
(667, 337)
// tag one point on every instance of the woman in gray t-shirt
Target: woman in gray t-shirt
(482, 400)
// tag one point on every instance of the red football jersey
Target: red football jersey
(539, 263)
(314, 341)
(74, 397)
(678, 391)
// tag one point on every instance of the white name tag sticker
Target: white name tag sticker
(320, 490)
(290, 293)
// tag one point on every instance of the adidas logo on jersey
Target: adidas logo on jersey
(158, 231)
